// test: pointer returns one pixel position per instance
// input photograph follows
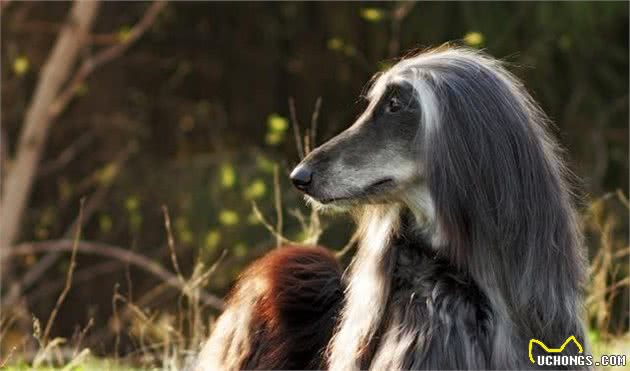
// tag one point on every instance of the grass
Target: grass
(89, 363)
(168, 340)
(616, 345)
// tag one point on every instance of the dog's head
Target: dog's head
(448, 133)
(377, 156)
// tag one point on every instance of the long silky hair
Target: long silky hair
(479, 249)
(499, 201)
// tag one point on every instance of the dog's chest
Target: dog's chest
(434, 309)
(427, 281)
(417, 268)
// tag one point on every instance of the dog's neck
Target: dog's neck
(369, 280)
(381, 229)
(368, 287)
(424, 222)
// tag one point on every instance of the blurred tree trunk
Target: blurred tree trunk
(19, 178)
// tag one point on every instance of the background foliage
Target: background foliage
(196, 116)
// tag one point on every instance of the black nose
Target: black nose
(301, 177)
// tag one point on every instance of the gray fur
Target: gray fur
(486, 252)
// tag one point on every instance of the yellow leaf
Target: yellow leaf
(228, 217)
(186, 236)
(135, 221)
(240, 250)
(265, 164)
(183, 230)
(213, 237)
(334, 43)
(132, 203)
(21, 65)
(255, 190)
(277, 123)
(372, 14)
(473, 39)
(105, 223)
(228, 176)
(124, 33)
(107, 173)
(274, 138)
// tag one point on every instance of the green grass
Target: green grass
(87, 365)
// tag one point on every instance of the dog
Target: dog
(469, 243)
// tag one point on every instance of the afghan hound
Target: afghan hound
(469, 243)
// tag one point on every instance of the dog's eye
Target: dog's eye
(393, 105)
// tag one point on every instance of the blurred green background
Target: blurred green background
(196, 116)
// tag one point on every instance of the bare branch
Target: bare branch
(105, 56)
(296, 128)
(269, 227)
(3, 4)
(113, 252)
(34, 132)
(314, 122)
(39, 119)
(349, 245)
(43, 26)
(67, 155)
(397, 16)
(68, 284)
(277, 204)
(4, 148)
(48, 103)
(35, 272)
(171, 243)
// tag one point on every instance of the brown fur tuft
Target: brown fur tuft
(294, 294)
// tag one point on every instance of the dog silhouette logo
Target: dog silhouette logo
(553, 350)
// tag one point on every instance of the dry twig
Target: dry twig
(105, 56)
(314, 122)
(113, 252)
(269, 227)
(35, 273)
(296, 128)
(349, 245)
(66, 289)
(36, 125)
(171, 243)
(277, 205)
(398, 14)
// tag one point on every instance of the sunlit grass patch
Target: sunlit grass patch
(96, 364)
